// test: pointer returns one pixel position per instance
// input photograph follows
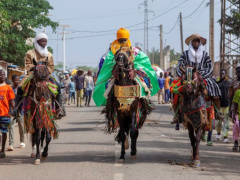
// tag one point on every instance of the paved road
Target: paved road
(83, 151)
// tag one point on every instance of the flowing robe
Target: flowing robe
(205, 68)
(141, 61)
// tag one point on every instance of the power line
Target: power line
(172, 27)
(159, 15)
(137, 23)
(194, 10)
(79, 37)
(97, 17)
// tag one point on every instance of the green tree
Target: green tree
(86, 68)
(4, 25)
(233, 21)
(174, 56)
(58, 65)
(24, 17)
(154, 56)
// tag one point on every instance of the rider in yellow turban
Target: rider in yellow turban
(121, 41)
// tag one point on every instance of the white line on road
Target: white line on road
(117, 148)
(118, 176)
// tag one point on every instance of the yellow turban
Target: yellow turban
(121, 34)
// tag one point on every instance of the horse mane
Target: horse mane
(41, 72)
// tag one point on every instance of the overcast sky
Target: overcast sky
(93, 25)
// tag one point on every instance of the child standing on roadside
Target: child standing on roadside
(6, 97)
(19, 118)
(71, 91)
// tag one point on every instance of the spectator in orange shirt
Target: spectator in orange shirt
(167, 87)
(6, 96)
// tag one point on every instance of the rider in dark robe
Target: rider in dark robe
(197, 57)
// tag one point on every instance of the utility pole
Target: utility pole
(211, 31)
(57, 48)
(64, 55)
(146, 11)
(145, 48)
(181, 32)
(161, 48)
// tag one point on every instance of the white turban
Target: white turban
(42, 51)
(41, 36)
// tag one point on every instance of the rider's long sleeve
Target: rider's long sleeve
(50, 64)
(181, 63)
(207, 69)
(28, 62)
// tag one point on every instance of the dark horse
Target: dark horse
(193, 108)
(125, 108)
(39, 107)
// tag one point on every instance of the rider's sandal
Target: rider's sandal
(175, 120)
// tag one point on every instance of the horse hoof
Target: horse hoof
(133, 157)
(44, 155)
(196, 162)
(121, 160)
(33, 155)
(126, 144)
(41, 150)
(37, 162)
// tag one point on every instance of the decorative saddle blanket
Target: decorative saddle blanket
(195, 112)
(126, 95)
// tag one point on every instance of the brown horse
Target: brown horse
(193, 108)
(39, 107)
(125, 108)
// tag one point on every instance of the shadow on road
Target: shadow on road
(76, 129)
(89, 122)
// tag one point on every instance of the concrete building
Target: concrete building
(166, 57)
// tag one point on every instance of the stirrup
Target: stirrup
(175, 121)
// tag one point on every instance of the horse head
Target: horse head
(192, 81)
(124, 64)
(40, 70)
(123, 58)
(189, 81)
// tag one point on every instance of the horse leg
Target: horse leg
(198, 139)
(48, 139)
(192, 139)
(37, 140)
(33, 154)
(122, 139)
(43, 132)
(134, 136)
